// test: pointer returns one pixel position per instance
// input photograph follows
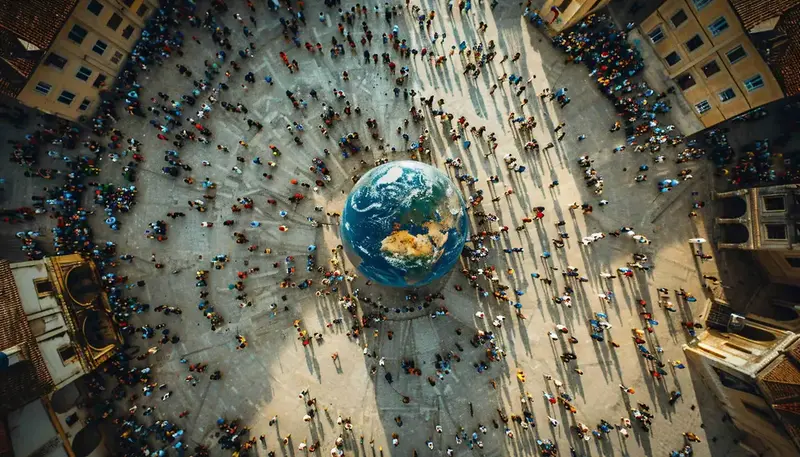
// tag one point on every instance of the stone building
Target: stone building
(766, 221)
(59, 55)
(563, 14)
(55, 327)
(753, 369)
(727, 56)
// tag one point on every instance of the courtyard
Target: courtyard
(265, 378)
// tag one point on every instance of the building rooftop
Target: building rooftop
(776, 25)
(781, 384)
(27, 29)
(27, 379)
(787, 62)
(755, 12)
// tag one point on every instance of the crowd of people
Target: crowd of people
(181, 118)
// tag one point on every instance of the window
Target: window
(77, 34)
(710, 69)
(143, 9)
(761, 411)
(55, 60)
(727, 94)
(128, 2)
(127, 32)
(694, 43)
(43, 287)
(733, 382)
(84, 73)
(776, 231)
(756, 82)
(672, 58)
(702, 107)
(656, 35)
(67, 354)
(99, 82)
(794, 262)
(774, 203)
(736, 54)
(685, 81)
(95, 7)
(99, 47)
(66, 97)
(85, 104)
(43, 88)
(700, 4)
(117, 57)
(678, 18)
(718, 26)
(114, 22)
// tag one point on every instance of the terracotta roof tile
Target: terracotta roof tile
(789, 414)
(782, 381)
(754, 12)
(24, 23)
(35, 21)
(787, 66)
(29, 379)
(789, 408)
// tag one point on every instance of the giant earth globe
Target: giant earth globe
(404, 224)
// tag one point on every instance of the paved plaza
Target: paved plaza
(266, 378)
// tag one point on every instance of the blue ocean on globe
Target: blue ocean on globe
(404, 224)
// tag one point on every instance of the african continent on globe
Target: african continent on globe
(404, 224)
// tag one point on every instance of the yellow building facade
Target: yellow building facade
(83, 56)
(710, 56)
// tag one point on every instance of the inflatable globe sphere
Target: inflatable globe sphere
(404, 224)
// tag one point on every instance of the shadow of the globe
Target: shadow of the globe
(402, 303)
(440, 369)
(433, 362)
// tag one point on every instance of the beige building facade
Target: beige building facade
(563, 14)
(79, 58)
(752, 369)
(711, 57)
(55, 326)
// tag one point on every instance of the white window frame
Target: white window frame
(104, 47)
(62, 95)
(83, 38)
(748, 83)
(725, 100)
(661, 30)
(716, 31)
(44, 91)
(81, 72)
(700, 4)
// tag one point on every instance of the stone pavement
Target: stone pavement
(266, 378)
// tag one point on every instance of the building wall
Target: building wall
(778, 267)
(47, 323)
(571, 11)
(702, 39)
(33, 433)
(737, 389)
(100, 61)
